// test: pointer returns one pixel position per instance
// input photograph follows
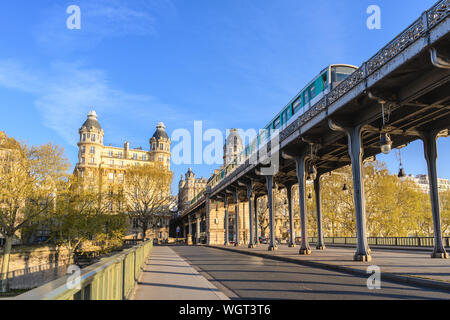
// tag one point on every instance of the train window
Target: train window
(277, 123)
(312, 91)
(297, 104)
(324, 81)
(306, 97)
(339, 74)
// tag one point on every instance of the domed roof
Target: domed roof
(92, 121)
(160, 132)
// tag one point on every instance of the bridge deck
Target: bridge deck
(412, 266)
(167, 276)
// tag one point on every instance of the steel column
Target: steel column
(320, 242)
(250, 198)
(189, 237)
(430, 149)
(272, 245)
(255, 206)
(291, 216)
(301, 166)
(227, 222)
(197, 227)
(356, 152)
(236, 213)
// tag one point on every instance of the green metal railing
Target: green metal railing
(386, 241)
(112, 278)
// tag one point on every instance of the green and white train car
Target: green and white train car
(315, 90)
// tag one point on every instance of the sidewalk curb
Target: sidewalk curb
(434, 284)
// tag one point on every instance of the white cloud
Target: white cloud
(67, 92)
(100, 19)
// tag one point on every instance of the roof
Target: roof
(160, 132)
(92, 121)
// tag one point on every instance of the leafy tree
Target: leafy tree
(146, 195)
(30, 178)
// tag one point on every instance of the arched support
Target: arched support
(320, 242)
(301, 166)
(269, 182)
(291, 216)
(430, 149)
(356, 151)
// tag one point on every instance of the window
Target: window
(111, 162)
(83, 160)
(111, 176)
(277, 123)
(297, 104)
(307, 97)
(154, 146)
(161, 146)
(121, 163)
(110, 153)
(135, 156)
(93, 138)
(84, 136)
(144, 157)
(92, 150)
(312, 91)
(120, 155)
(120, 177)
(83, 149)
(92, 160)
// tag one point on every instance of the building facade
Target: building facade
(111, 163)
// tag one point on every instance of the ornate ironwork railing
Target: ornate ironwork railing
(430, 19)
(426, 242)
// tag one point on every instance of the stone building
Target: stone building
(111, 162)
(188, 188)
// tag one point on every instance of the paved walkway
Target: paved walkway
(411, 267)
(167, 276)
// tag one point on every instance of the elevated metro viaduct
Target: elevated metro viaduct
(410, 77)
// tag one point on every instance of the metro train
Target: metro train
(315, 90)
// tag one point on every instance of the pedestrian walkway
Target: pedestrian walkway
(415, 267)
(167, 276)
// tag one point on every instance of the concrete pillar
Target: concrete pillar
(320, 242)
(250, 198)
(227, 223)
(236, 211)
(189, 237)
(356, 152)
(291, 216)
(269, 182)
(430, 149)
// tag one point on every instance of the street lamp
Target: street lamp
(385, 143)
(345, 188)
(312, 172)
(401, 172)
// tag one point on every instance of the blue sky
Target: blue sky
(229, 63)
